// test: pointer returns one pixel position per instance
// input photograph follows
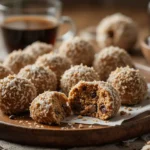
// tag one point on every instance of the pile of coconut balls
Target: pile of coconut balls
(74, 80)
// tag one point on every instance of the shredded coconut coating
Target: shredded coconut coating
(129, 83)
(88, 98)
(109, 59)
(75, 74)
(16, 94)
(112, 101)
(117, 30)
(57, 63)
(42, 77)
(50, 108)
(17, 60)
(79, 51)
(4, 71)
(37, 49)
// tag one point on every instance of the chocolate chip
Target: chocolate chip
(103, 109)
(93, 94)
(12, 117)
(84, 88)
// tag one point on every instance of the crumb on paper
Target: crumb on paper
(122, 113)
(129, 109)
(80, 117)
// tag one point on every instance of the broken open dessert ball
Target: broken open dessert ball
(50, 108)
(75, 74)
(57, 63)
(109, 59)
(37, 49)
(96, 99)
(117, 30)
(129, 83)
(79, 51)
(4, 71)
(42, 77)
(17, 60)
(16, 94)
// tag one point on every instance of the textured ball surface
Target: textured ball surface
(50, 108)
(42, 77)
(117, 30)
(79, 51)
(38, 48)
(57, 63)
(16, 94)
(4, 71)
(75, 74)
(109, 59)
(129, 83)
(17, 60)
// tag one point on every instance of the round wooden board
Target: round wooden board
(24, 130)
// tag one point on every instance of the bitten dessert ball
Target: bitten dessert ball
(42, 77)
(17, 60)
(16, 94)
(130, 85)
(75, 74)
(78, 51)
(57, 63)
(50, 108)
(4, 71)
(95, 99)
(118, 30)
(109, 59)
(38, 48)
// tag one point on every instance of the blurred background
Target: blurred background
(90, 12)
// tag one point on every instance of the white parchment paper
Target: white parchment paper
(130, 112)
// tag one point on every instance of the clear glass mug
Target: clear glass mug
(23, 22)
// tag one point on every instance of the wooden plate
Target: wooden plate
(25, 131)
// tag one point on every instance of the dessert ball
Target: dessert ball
(75, 74)
(109, 59)
(96, 99)
(117, 30)
(17, 60)
(16, 94)
(129, 83)
(57, 63)
(42, 77)
(50, 108)
(78, 51)
(38, 48)
(4, 71)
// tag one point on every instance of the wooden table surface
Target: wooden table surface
(85, 16)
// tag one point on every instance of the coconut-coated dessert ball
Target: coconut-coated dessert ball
(57, 63)
(129, 83)
(37, 49)
(117, 30)
(78, 51)
(4, 71)
(96, 99)
(17, 60)
(50, 108)
(109, 59)
(75, 74)
(16, 94)
(42, 77)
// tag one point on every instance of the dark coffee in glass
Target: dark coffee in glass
(18, 32)
(23, 22)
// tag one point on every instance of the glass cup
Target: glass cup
(23, 22)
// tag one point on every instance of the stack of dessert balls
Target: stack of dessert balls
(53, 85)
